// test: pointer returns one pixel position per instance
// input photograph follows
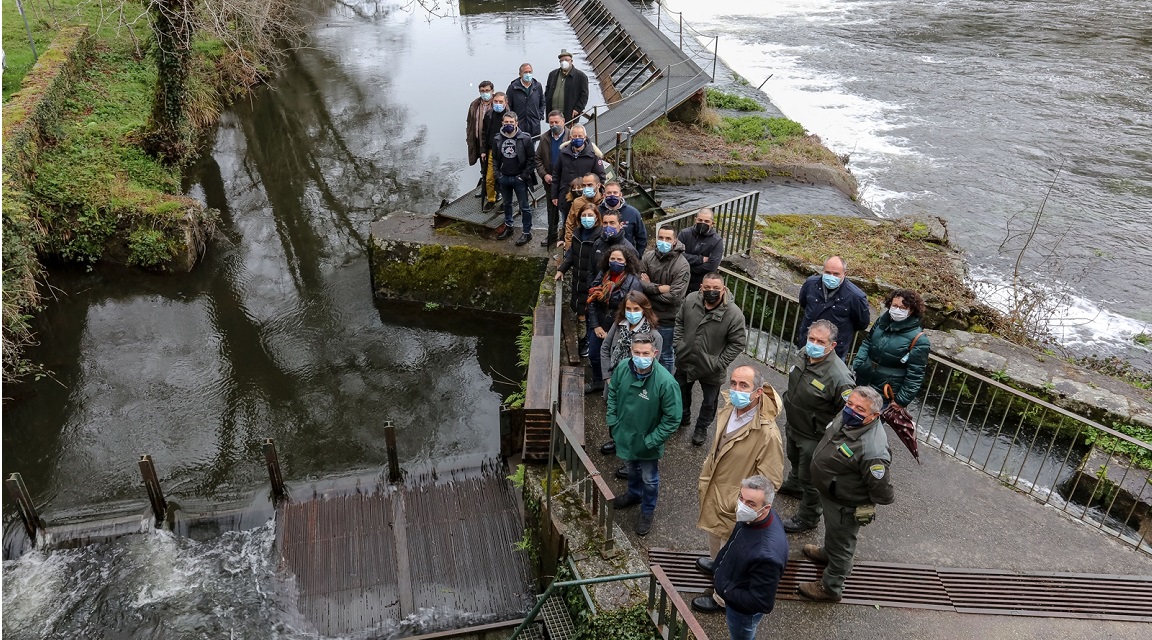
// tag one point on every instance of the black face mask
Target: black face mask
(711, 297)
(703, 228)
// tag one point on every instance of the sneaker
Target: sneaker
(622, 473)
(506, 233)
(817, 591)
(625, 501)
(699, 436)
(815, 553)
(608, 448)
(795, 525)
(643, 523)
(524, 239)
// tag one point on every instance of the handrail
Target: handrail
(666, 625)
(735, 220)
(584, 476)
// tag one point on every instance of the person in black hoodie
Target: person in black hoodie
(515, 158)
(703, 248)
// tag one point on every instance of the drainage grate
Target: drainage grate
(986, 591)
(556, 618)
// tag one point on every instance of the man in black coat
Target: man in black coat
(567, 88)
(747, 571)
(526, 98)
(703, 248)
(831, 296)
(547, 149)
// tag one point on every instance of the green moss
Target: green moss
(756, 129)
(720, 100)
(739, 174)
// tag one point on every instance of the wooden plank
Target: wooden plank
(539, 391)
(544, 320)
(572, 400)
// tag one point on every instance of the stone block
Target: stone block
(981, 360)
(1026, 374)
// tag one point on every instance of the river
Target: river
(970, 110)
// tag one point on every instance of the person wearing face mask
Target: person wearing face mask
(749, 567)
(582, 259)
(665, 282)
(514, 157)
(526, 98)
(633, 317)
(619, 275)
(587, 190)
(492, 121)
(748, 444)
(643, 411)
(547, 149)
(567, 88)
(634, 228)
(818, 385)
(850, 471)
(831, 296)
(703, 247)
(709, 334)
(578, 157)
(477, 146)
(893, 356)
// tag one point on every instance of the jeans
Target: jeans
(667, 354)
(742, 626)
(508, 184)
(711, 393)
(644, 481)
(594, 343)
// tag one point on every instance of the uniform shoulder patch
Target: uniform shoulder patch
(878, 471)
(844, 396)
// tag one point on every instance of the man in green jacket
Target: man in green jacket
(850, 470)
(643, 412)
(817, 388)
(708, 336)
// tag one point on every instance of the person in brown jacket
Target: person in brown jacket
(477, 134)
(589, 184)
(747, 443)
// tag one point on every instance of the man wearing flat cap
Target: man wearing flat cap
(567, 89)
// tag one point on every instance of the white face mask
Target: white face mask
(564, 64)
(899, 315)
(744, 513)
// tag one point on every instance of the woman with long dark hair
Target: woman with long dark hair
(619, 273)
(633, 317)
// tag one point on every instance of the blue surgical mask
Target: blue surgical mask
(641, 363)
(508, 128)
(740, 399)
(589, 192)
(663, 247)
(498, 108)
(851, 418)
(814, 350)
(633, 317)
(616, 267)
(587, 222)
(577, 142)
(613, 201)
(610, 232)
(527, 77)
(486, 96)
(831, 281)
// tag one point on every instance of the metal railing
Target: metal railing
(735, 220)
(1091, 472)
(669, 614)
(586, 481)
(700, 51)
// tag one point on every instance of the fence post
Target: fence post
(659, 10)
(272, 460)
(27, 508)
(667, 87)
(596, 123)
(681, 30)
(31, 42)
(619, 136)
(152, 484)
(393, 458)
(551, 451)
(715, 57)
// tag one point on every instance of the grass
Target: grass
(721, 100)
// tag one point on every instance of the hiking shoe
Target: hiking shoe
(815, 553)
(706, 604)
(817, 591)
(795, 525)
(643, 523)
(506, 233)
(625, 501)
(524, 239)
(699, 436)
(608, 448)
(622, 473)
(790, 490)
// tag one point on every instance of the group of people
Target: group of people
(503, 131)
(836, 445)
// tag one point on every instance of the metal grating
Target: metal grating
(986, 591)
(556, 619)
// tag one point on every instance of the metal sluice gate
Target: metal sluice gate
(982, 591)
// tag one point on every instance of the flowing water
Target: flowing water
(970, 110)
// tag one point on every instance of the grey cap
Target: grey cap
(564, 52)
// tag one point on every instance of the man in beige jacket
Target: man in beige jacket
(747, 443)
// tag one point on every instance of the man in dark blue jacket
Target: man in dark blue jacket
(831, 296)
(634, 228)
(747, 571)
(526, 98)
(703, 247)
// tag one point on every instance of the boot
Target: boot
(594, 387)
(795, 525)
(699, 436)
(815, 553)
(816, 591)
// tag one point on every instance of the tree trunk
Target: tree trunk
(168, 135)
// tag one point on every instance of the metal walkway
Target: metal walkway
(985, 591)
(368, 560)
(642, 73)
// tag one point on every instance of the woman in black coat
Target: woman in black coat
(619, 273)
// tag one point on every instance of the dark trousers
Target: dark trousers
(594, 343)
(707, 404)
(667, 353)
(840, 532)
(553, 221)
(508, 185)
(800, 450)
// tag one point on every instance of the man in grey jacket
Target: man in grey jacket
(709, 334)
(665, 282)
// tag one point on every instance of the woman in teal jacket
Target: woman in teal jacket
(895, 352)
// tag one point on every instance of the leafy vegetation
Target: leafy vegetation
(720, 100)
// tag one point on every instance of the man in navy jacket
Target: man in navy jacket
(748, 568)
(831, 296)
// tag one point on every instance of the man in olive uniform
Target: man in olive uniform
(850, 470)
(817, 388)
